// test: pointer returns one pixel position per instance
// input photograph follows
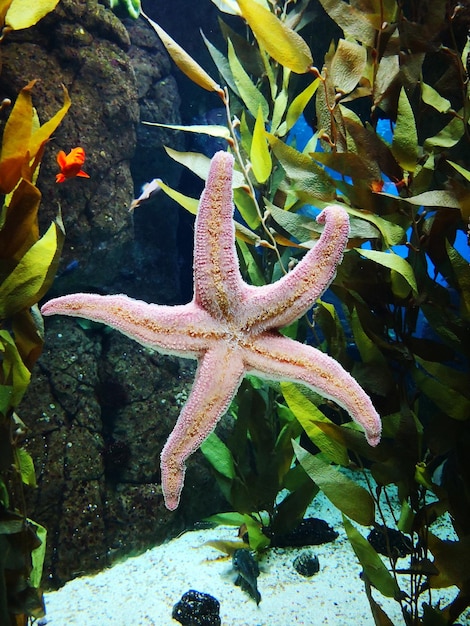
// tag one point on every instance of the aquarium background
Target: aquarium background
(99, 407)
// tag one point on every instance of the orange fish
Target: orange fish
(71, 164)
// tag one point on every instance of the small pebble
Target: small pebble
(307, 564)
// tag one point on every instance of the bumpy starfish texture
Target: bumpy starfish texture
(231, 327)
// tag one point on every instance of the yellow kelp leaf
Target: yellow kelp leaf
(184, 61)
(347, 66)
(43, 133)
(13, 371)
(188, 203)
(28, 282)
(297, 107)
(20, 228)
(249, 93)
(4, 6)
(26, 13)
(260, 155)
(16, 137)
(281, 42)
(405, 136)
(214, 130)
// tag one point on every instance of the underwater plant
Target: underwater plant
(390, 145)
(28, 264)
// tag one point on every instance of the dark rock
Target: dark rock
(310, 532)
(390, 542)
(197, 609)
(306, 564)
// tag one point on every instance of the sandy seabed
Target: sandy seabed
(142, 591)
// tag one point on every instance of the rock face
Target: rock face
(99, 407)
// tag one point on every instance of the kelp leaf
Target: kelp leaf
(188, 203)
(43, 133)
(249, 93)
(451, 559)
(450, 401)
(282, 43)
(461, 170)
(38, 555)
(306, 413)
(437, 197)
(213, 130)
(392, 233)
(219, 456)
(13, 369)
(362, 26)
(347, 66)
(393, 262)
(260, 155)
(20, 229)
(199, 164)
(308, 179)
(347, 496)
(247, 207)
(434, 99)
(405, 136)
(298, 104)
(371, 562)
(222, 64)
(447, 137)
(228, 6)
(26, 466)
(28, 282)
(184, 61)
(24, 13)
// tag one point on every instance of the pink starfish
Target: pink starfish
(231, 327)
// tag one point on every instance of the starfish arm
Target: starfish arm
(218, 285)
(181, 330)
(279, 304)
(217, 380)
(279, 358)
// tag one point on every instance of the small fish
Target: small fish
(71, 164)
(148, 191)
(244, 563)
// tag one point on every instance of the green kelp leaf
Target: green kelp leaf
(199, 164)
(188, 203)
(436, 198)
(348, 65)
(308, 180)
(30, 279)
(461, 170)
(13, 370)
(249, 93)
(299, 226)
(247, 207)
(213, 130)
(393, 262)
(24, 13)
(307, 413)
(256, 538)
(38, 555)
(226, 519)
(222, 64)
(435, 381)
(282, 43)
(369, 351)
(260, 156)
(434, 99)
(462, 272)
(450, 135)
(392, 233)
(219, 456)
(6, 392)
(255, 274)
(298, 104)
(347, 496)
(405, 136)
(371, 562)
(26, 466)
(361, 25)
(184, 61)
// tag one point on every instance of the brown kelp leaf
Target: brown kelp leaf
(184, 61)
(362, 26)
(348, 65)
(451, 559)
(281, 42)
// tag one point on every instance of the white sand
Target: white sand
(143, 590)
